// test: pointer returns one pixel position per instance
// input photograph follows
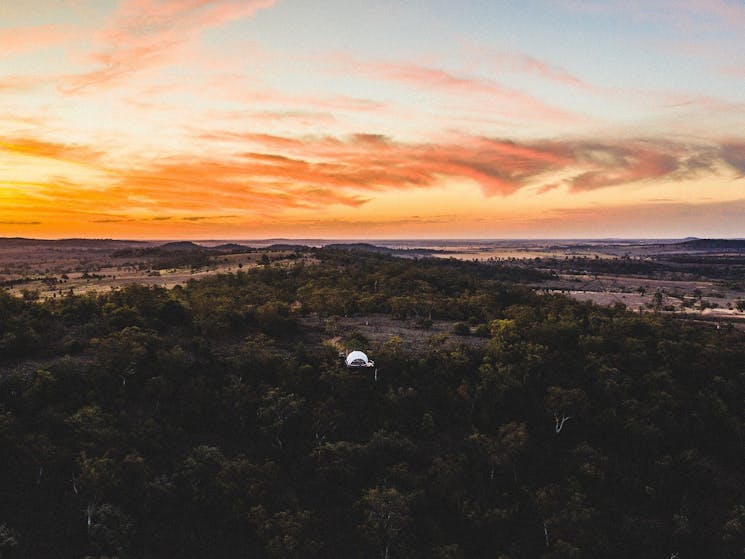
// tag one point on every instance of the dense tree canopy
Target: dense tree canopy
(207, 421)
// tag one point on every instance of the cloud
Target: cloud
(19, 222)
(312, 172)
(434, 79)
(733, 153)
(620, 164)
(518, 62)
(142, 34)
(255, 182)
(262, 175)
(373, 163)
(208, 217)
(302, 117)
(18, 40)
(16, 84)
(548, 188)
(52, 150)
(257, 138)
(522, 63)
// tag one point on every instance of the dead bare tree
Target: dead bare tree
(560, 422)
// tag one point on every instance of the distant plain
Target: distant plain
(696, 278)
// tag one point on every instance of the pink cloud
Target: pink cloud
(371, 162)
(518, 62)
(22, 83)
(624, 164)
(143, 34)
(501, 167)
(434, 79)
(262, 139)
(298, 118)
(33, 38)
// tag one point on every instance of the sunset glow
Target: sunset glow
(245, 119)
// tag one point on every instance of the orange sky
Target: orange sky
(239, 119)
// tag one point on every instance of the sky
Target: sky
(249, 119)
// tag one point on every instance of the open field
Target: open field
(696, 278)
(379, 329)
(708, 297)
(52, 270)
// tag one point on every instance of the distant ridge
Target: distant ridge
(360, 246)
(231, 247)
(11, 242)
(733, 245)
(186, 246)
(386, 250)
(283, 246)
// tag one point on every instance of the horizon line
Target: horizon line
(369, 239)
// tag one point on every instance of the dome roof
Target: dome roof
(357, 359)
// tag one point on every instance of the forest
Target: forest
(217, 419)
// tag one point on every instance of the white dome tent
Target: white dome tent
(357, 359)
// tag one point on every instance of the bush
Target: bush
(482, 331)
(461, 329)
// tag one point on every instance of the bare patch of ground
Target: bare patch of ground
(706, 300)
(76, 274)
(379, 329)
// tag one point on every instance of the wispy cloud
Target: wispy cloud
(516, 62)
(33, 38)
(53, 150)
(253, 138)
(519, 62)
(142, 34)
(208, 217)
(17, 84)
(733, 153)
(436, 79)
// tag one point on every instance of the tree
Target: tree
(385, 514)
(461, 329)
(111, 532)
(284, 533)
(277, 408)
(502, 449)
(657, 300)
(8, 541)
(563, 404)
(95, 479)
